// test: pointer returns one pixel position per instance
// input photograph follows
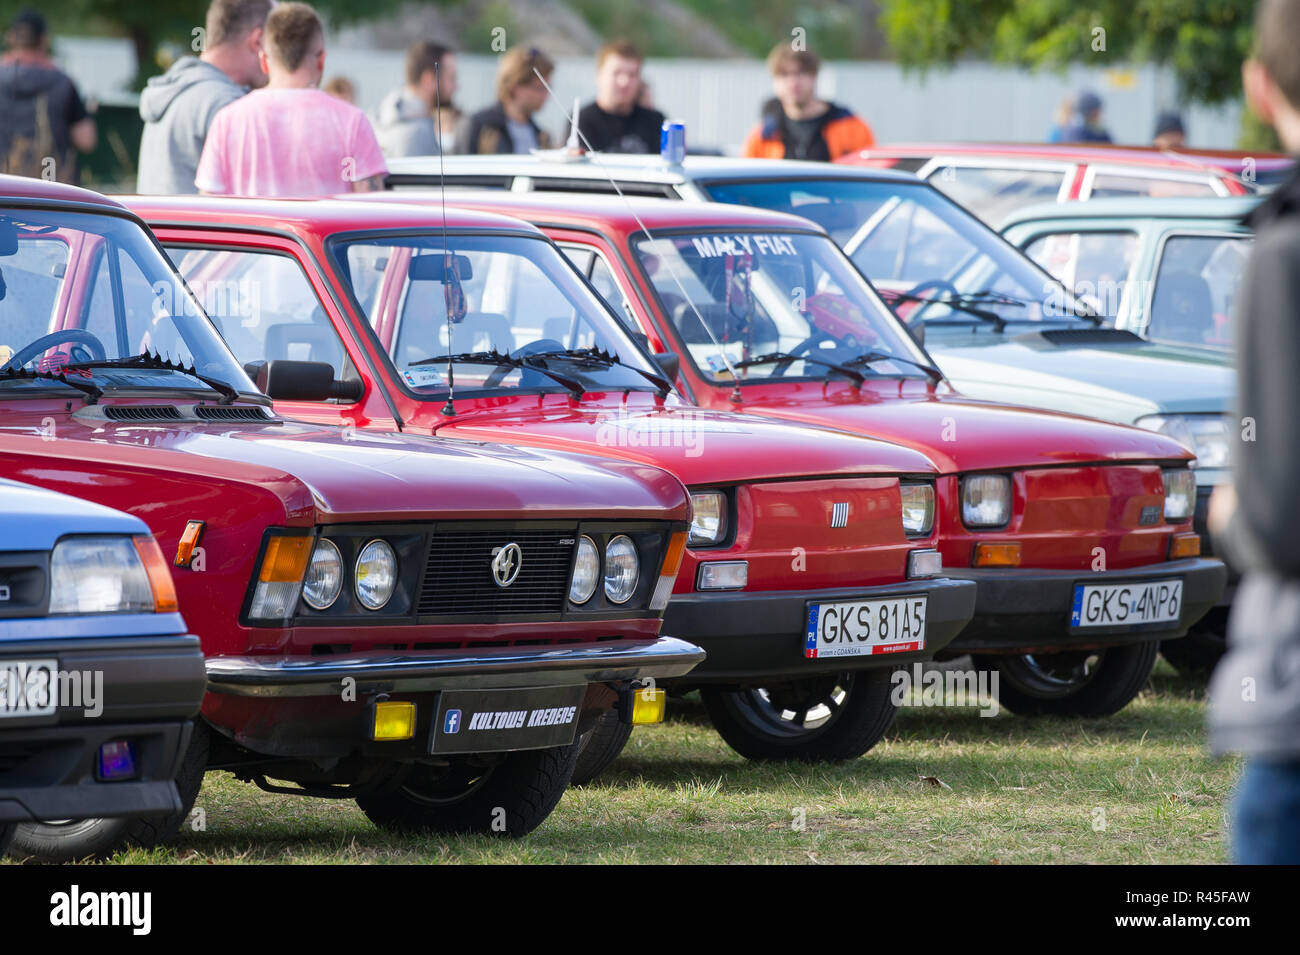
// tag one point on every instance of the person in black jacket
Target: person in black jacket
(616, 122)
(507, 126)
(1255, 691)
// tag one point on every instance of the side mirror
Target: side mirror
(670, 363)
(917, 331)
(285, 380)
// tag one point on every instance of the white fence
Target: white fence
(719, 99)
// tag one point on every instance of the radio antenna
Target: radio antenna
(736, 397)
(448, 260)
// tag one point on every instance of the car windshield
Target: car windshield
(81, 289)
(515, 297)
(754, 294)
(930, 259)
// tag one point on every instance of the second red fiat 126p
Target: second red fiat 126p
(1078, 532)
(811, 571)
(426, 626)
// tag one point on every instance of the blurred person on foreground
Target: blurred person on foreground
(1255, 690)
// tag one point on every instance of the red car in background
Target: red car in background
(1057, 518)
(811, 571)
(375, 610)
(995, 179)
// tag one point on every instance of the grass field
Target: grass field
(1135, 788)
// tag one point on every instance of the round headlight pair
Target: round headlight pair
(622, 570)
(375, 574)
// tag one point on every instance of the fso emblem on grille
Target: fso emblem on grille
(506, 562)
(840, 515)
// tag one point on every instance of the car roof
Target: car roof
(1089, 152)
(642, 168)
(1229, 208)
(23, 187)
(602, 211)
(318, 216)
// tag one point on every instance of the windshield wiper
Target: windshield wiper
(867, 358)
(598, 356)
(502, 360)
(154, 361)
(91, 390)
(786, 358)
(961, 303)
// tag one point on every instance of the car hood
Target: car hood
(960, 433)
(329, 474)
(701, 447)
(34, 518)
(1118, 382)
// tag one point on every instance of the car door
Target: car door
(268, 303)
(1195, 282)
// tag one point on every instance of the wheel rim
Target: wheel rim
(1052, 675)
(794, 711)
(427, 788)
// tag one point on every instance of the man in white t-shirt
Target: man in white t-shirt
(291, 138)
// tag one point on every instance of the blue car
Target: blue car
(99, 680)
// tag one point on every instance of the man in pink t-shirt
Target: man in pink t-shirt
(290, 138)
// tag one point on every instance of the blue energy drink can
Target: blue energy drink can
(672, 141)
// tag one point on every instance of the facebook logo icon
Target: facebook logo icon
(451, 722)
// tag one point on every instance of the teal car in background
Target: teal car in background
(1165, 269)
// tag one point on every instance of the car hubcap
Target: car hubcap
(1052, 675)
(794, 710)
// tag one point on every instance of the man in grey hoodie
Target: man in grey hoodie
(177, 107)
(1255, 692)
(404, 121)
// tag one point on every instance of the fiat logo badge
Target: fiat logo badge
(506, 562)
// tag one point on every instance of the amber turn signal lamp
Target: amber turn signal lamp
(673, 555)
(189, 540)
(1187, 544)
(285, 560)
(160, 576)
(997, 555)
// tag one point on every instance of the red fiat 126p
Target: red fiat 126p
(424, 625)
(811, 570)
(1078, 532)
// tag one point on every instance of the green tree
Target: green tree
(1203, 41)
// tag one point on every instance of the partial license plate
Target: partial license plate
(863, 628)
(1127, 605)
(28, 688)
(491, 721)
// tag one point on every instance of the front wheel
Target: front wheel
(820, 719)
(600, 746)
(506, 795)
(1087, 683)
(69, 839)
(6, 836)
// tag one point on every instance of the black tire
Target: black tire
(510, 798)
(1197, 654)
(754, 724)
(6, 836)
(1080, 683)
(100, 838)
(600, 746)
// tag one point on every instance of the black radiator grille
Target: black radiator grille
(458, 577)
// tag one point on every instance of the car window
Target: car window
(1095, 264)
(32, 278)
(263, 304)
(1107, 185)
(1196, 286)
(994, 193)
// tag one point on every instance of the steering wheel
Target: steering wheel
(93, 350)
(532, 348)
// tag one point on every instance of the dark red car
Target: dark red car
(387, 618)
(811, 571)
(1078, 532)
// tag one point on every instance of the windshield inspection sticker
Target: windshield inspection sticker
(422, 376)
(713, 246)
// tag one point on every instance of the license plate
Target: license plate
(28, 688)
(1127, 605)
(863, 628)
(493, 721)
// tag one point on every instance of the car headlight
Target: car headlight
(622, 569)
(1205, 435)
(918, 508)
(709, 517)
(586, 571)
(376, 574)
(324, 580)
(986, 500)
(1180, 494)
(110, 575)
